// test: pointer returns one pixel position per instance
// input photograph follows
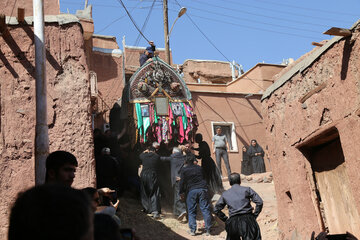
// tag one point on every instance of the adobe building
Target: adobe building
(234, 104)
(312, 119)
(68, 88)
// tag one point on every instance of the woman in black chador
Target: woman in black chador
(149, 183)
(210, 171)
(246, 165)
(256, 154)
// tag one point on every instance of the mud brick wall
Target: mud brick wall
(324, 97)
(69, 117)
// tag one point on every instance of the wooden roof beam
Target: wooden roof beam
(21, 15)
(334, 31)
(3, 26)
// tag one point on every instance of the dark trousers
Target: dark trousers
(179, 206)
(198, 196)
(244, 226)
(222, 153)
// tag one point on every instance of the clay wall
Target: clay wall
(256, 80)
(324, 97)
(69, 117)
(206, 71)
(108, 42)
(51, 7)
(235, 108)
(109, 71)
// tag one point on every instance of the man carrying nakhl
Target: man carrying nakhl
(242, 219)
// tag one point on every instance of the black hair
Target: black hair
(57, 159)
(199, 137)
(190, 158)
(90, 191)
(106, 228)
(234, 178)
(50, 211)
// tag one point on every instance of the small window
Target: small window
(228, 129)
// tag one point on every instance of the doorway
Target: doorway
(336, 202)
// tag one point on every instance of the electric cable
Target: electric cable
(254, 14)
(145, 23)
(204, 35)
(12, 11)
(266, 16)
(132, 20)
(255, 21)
(309, 9)
(284, 12)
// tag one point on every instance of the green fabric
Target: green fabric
(155, 116)
(146, 121)
(184, 117)
(139, 117)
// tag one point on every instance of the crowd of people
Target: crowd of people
(55, 210)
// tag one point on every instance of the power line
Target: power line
(203, 33)
(255, 21)
(255, 14)
(285, 12)
(145, 23)
(132, 20)
(104, 5)
(309, 9)
(12, 11)
(252, 28)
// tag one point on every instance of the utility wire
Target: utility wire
(252, 28)
(254, 21)
(103, 5)
(12, 11)
(204, 35)
(254, 14)
(309, 9)
(145, 23)
(291, 20)
(132, 20)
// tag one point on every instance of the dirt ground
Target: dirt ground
(170, 228)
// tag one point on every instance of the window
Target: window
(228, 129)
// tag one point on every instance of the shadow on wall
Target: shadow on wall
(21, 56)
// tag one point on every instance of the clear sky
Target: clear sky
(247, 31)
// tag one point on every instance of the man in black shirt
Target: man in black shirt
(193, 185)
(149, 184)
(242, 220)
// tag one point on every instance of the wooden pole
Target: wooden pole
(41, 129)
(166, 32)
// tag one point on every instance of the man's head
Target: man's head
(190, 159)
(60, 168)
(51, 211)
(156, 145)
(176, 150)
(93, 194)
(105, 151)
(234, 178)
(149, 52)
(253, 142)
(198, 138)
(218, 130)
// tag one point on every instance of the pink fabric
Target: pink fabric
(181, 130)
(171, 119)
